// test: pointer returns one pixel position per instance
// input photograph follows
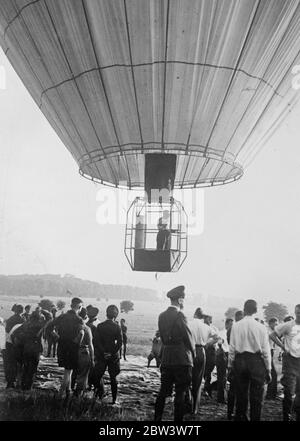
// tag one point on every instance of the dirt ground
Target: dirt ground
(138, 387)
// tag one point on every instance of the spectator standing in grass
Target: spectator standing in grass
(92, 323)
(222, 360)
(70, 328)
(280, 343)
(124, 338)
(272, 386)
(26, 314)
(202, 335)
(250, 359)
(155, 350)
(108, 342)
(85, 357)
(27, 339)
(10, 356)
(290, 331)
(211, 357)
(92, 313)
(50, 335)
(231, 396)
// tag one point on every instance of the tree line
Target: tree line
(48, 285)
(270, 310)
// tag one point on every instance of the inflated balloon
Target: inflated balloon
(205, 80)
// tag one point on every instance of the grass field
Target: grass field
(141, 323)
(138, 384)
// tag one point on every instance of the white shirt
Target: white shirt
(248, 335)
(223, 338)
(10, 333)
(291, 333)
(201, 332)
(174, 306)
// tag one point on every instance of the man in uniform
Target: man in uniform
(177, 355)
(250, 359)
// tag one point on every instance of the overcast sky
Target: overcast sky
(249, 247)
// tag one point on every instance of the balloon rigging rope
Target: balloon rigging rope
(187, 63)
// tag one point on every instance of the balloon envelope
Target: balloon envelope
(207, 80)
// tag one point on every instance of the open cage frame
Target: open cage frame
(141, 232)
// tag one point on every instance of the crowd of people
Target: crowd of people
(85, 350)
(186, 351)
(243, 354)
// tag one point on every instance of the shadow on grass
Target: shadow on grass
(49, 406)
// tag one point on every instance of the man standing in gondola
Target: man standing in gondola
(163, 235)
(177, 355)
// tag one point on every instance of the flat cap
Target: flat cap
(176, 293)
